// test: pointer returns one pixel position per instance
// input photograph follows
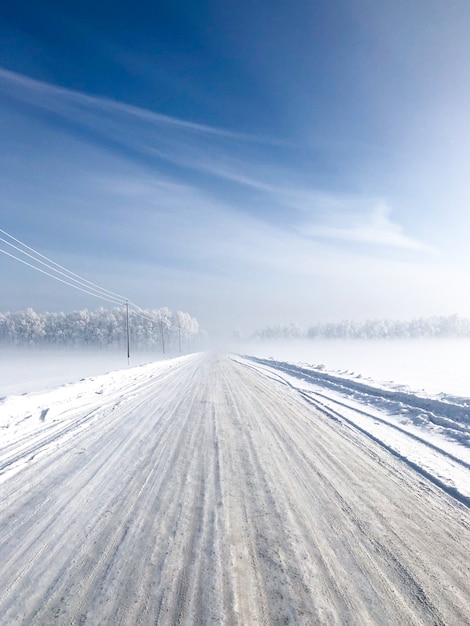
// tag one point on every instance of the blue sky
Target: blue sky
(250, 162)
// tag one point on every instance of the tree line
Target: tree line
(151, 329)
(437, 326)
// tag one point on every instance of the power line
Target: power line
(84, 280)
(99, 290)
(38, 269)
(145, 314)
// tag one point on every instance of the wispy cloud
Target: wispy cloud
(236, 159)
(373, 227)
(57, 99)
(206, 149)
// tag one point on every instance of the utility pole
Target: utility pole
(163, 337)
(127, 332)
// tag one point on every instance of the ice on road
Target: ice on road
(206, 493)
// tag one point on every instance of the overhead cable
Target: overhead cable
(100, 291)
(71, 278)
(38, 269)
(69, 274)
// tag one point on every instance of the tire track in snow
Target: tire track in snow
(445, 470)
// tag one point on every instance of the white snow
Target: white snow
(24, 370)
(370, 383)
(389, 390)
(202, 490)
(431, 366)
(24, 414)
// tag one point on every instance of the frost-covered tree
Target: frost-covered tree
(444, 326)
(151, 329)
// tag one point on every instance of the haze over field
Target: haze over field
(251, 164)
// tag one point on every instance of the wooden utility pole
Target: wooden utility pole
(127, 332)
(163, 337)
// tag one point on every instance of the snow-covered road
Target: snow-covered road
(200, 491)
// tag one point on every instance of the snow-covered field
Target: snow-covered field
(432, 366)
(24, 370)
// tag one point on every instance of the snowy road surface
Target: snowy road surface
(203, 492)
